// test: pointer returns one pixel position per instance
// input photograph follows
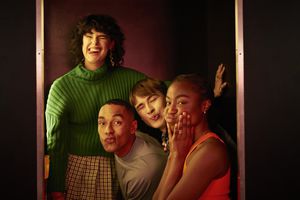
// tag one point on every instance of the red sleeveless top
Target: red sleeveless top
(218, 189)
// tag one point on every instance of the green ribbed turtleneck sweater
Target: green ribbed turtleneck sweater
(72, 112)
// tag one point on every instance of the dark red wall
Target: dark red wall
(163, 39)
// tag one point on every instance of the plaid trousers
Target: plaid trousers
(91, 178)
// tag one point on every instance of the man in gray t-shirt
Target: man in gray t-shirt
(140, 159)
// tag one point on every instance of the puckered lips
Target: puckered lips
(155, 117)
(110, 140)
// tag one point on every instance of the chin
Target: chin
(157, 124)
(171, 122)
(109, 149)
(154, 126)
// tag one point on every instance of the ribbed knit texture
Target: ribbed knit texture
(72, 112)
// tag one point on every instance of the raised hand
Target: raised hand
(181, 136)
(219, 84)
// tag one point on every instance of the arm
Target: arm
(207, 162)
(57, 129)
(219, 84)
(180, 138)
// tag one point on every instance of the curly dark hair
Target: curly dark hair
(101, 23)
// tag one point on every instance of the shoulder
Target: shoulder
(62, 79)
(212, 147)
(147, 138)
(149, 148)
(212, 153)
(210, 142)
(127, 70)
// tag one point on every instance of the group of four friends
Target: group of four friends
(111, 158)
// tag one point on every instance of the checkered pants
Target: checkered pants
(91, 178)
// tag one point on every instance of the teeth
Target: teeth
(94, 50)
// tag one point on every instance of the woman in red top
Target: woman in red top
(198, 166)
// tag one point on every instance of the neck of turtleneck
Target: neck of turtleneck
(89, 75)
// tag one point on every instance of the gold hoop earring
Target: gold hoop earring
(111, 58)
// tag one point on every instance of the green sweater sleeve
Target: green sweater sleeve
(57, 143)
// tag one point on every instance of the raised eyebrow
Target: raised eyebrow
(118, 115)
(115, 115)
(100, 117)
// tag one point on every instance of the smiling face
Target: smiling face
(182, 97)
(116, 128)
(95, 47)
(151, 110)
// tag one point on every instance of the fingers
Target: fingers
(176, 130)
(170, 133)
(220, 71)
(181, 123)
(183, 128)
(182, 135)
(223, 85)
(219, 84)
(188, 126)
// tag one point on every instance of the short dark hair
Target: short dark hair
(146, 87)
(101, 23)
(123, 103)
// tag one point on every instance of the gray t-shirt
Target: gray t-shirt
(140, 171)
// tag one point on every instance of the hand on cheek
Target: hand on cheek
(181, 136)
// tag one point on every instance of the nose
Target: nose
(171, 108)
(108, 129)
(149, 108)
(94, 40)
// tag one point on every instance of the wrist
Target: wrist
(175, 155)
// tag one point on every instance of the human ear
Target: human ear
(206, 105)
(133, 127)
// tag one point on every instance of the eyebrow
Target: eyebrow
(147, 98)
(179, 96)
(100, 35)
(138, 105)
(152, 95)
(115, 115)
